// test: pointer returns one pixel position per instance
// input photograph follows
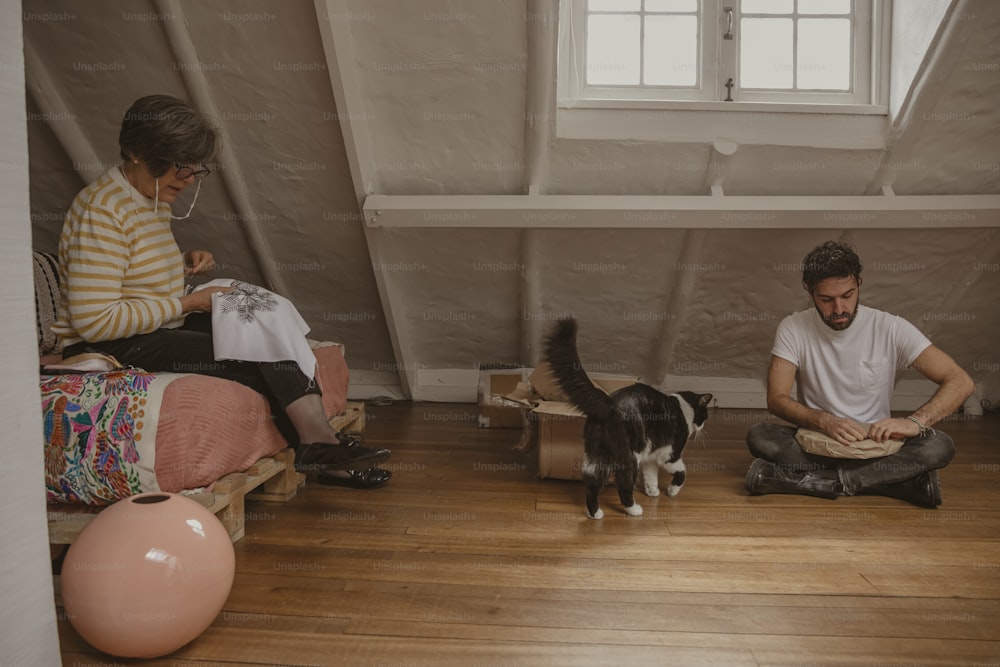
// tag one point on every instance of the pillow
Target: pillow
(46, 300)
(100, 433)
(815, 442)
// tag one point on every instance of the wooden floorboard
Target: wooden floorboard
(466, 558)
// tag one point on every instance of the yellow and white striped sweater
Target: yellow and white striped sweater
(120, 270)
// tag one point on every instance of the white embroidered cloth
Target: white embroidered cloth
(251, 323)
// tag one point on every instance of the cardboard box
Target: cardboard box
(560, 440)
(560, 432)
(544, 384)
(504, 398)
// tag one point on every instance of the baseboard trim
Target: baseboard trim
(459, 385)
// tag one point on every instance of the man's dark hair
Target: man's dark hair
(830, 260)
(162, 131)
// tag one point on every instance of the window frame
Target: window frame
(869, 94)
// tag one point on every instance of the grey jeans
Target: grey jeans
(776, 443)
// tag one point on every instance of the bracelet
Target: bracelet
(920, 424)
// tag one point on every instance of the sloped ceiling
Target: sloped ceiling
(954, 144)
(443, 94)
(267, 72)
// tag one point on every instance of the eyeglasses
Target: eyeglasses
(184, 171)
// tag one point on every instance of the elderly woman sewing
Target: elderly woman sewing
(123, 293)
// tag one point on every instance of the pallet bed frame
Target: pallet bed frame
(227, 499)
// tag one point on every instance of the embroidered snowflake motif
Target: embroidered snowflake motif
(246, 301)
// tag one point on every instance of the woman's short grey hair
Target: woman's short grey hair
(162, 131)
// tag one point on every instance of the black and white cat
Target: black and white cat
(635, 427)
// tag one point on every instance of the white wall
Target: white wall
(914, 24)
(27, 616)
(441, 91)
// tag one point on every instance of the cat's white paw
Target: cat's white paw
(673, 490)
(599, 514)
(652, 490)
(634, 510)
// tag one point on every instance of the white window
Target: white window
(647, 52)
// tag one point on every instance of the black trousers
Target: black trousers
(776, 443)
(188, 349)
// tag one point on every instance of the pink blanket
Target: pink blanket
(211, 427)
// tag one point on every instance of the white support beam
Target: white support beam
(333, 19)
(405, 361)
(531, 297)
(539, 120)
(718, 166)
(682, 285)
(682, 212)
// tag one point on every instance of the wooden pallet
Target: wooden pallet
(351, 420)
(275, 474)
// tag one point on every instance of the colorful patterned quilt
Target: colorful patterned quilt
(100, 434)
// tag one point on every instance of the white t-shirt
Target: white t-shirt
(848, 373)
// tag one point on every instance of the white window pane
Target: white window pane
(824, 6)
(824, 54)
(767, 6)
(671, 57)
(766, 53)
(671, 5)
(613, 49)
(613, 5)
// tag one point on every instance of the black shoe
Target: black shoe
(324, 457)
(765, 477)
(354, 445)
(924, 490)
(357, 479)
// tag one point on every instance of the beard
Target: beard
(839, 321)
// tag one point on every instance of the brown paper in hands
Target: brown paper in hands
(815, 442)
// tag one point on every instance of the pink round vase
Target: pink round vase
(147, 575)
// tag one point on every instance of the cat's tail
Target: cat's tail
(560, 351)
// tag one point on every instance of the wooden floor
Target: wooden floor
(466, 558)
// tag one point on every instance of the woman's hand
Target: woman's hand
(198, 261)
(201, 301)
